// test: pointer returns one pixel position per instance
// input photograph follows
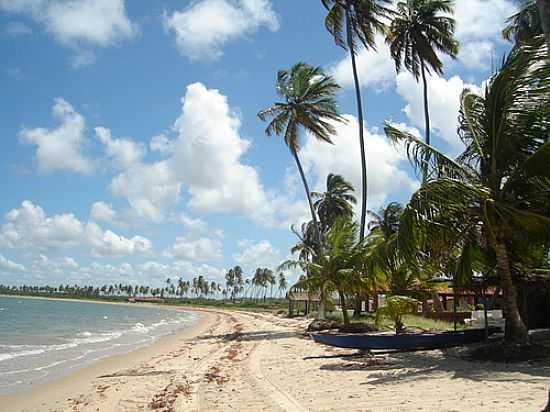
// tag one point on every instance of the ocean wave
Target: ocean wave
(88, 338)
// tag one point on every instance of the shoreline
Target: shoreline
(246, 362)
(43, 394)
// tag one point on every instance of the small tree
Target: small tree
(396, 307)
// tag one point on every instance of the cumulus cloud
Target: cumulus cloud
(387, 166)
(203, 28)
(376, 69)
(478, 28)
(78, 23)
(107, 243)
(101, 211)
(252, 255)
(10, 265)
(444, 101)
(207, 155)
(124, 153)
(29, 228)
(150, 188)
(202, 249)
(60, 148)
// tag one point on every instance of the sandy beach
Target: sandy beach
(259, 362)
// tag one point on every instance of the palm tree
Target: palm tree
(362, 19)
(387, 219)
(523, 25)
(283, 284)
(500, 184)
(544, 10)
(339, 268)
(337, 201)
(309, 104)
(419, 30)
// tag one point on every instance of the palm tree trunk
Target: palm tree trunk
(344, 308)
(426, 118)
(515, 328)
(361, 131)
(544, 11)
(308, 194)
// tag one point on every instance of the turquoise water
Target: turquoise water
(41, 340)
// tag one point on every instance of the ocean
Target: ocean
(41, 339)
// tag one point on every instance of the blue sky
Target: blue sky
(131, 150)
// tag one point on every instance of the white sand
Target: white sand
(235, 361)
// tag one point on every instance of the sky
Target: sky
(132, 152)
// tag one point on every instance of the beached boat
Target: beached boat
(404, 341)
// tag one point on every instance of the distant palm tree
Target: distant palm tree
(283, 284)
(362, 19)
(419, 30)
(387, 219)
(308, 104)
(337, 201)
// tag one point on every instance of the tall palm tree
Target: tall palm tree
(419, 30)
(309, 104)
(337, 201)
(362, 19)
(500, 184)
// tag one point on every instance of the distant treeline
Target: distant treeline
(263, 285)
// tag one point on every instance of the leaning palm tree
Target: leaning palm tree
(362, 19)
(309, 104)
(500, 184)
(419, 30)
(336, 202)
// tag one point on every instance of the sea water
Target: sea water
(41, 340)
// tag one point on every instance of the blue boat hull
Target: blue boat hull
(405, 341)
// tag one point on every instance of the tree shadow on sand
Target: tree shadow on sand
(404, 366)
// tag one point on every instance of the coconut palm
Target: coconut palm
(362, 19)
(387, 219)
(523, 25)
(338, 268)
(500, 184)
(309, 104)
(336, 202)
(544, 10)
(419, 30)
(282, 283)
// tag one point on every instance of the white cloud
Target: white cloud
(124, 153)
(207, 156)
(386, 166)
(110, 244)
(29, 228)
(478, 28)
(444, 103)
(101, 211)
(149, 188)
(202, 249)
(162, 144)
(60, 148)
(204, 27)
(78, 23)
(376, 69)
(10, 265)
(17, 28)
(194, 225)
(261, 254)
